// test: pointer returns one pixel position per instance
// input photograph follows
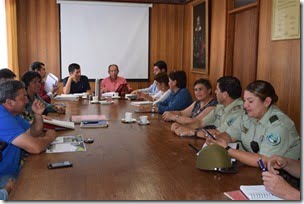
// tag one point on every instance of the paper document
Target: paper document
(67, 97)
(60, 123)
(257, 192)
(51, 80)
(141, 103)
(67, 144)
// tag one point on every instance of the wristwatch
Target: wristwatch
(227, 148)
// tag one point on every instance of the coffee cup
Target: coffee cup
(85, 95)
(95, 98)
(128, 116)
(143, 119)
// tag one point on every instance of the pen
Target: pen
(197, 150)
(260, 161)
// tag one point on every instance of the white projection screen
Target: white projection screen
(97, 34)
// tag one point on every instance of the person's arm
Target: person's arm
(67, 87)
(292, 166)
(103, 88)
(34, 145)
(276, 185)
(37, 125)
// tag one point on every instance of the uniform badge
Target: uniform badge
(244, 129)
(230, 121)
(273, 139)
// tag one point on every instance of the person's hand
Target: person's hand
(59, 108)
(275, 184)
(38, 107)
(104, 90)
(142, 95)
(276, 162)
(218, 141)
(167, 116)
(46, 117)
(9, 185)
(72, 77)
(134, 92)
(51, 134)
(55, 88)
(175, 126)
(213, 131)
(183, 131)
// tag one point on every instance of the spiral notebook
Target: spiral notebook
(257, 192)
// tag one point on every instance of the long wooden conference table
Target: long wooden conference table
(127, 161)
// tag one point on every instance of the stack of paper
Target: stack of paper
(67, 97)
(141, 103)
(67, 144)
(258, 192)
(80, 118)
(94, 124)
(60, 123)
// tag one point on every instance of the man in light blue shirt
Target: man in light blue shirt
(159, 66)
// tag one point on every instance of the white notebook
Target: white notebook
(257, 192)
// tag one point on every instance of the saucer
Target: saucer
(132, 121)
(106, 102)
(140, 123)
(94, 102)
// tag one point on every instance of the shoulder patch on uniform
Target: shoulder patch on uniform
(238, 107)
(273, 139)
(273, 118)
(244, 129)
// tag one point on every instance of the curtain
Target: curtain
(11, 26)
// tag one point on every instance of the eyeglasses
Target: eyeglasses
(254, 146)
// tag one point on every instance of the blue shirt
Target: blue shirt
(81, 86)
(10, 128)
(152, 89)
(175, 101)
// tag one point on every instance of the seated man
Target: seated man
(159, 66)
(229, 108)
(6, 73)
(113, 82)
(75, 83)
(17, 132)
(40, 68)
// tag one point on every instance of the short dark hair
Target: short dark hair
(263, 89)
(28, 76)
(180, 77)
(162, 77)
(36, 65)
(9, 89)
(6, 73)
(73, 66)
(161, 65)
(205, 82)
(231, 85)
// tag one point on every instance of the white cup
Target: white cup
(115, 94)
(85, 95)
(95, 98)
(128, 116)
(143, 119)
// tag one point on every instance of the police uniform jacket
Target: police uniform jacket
(275, 133)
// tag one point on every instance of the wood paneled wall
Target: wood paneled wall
(217, 41)
(279, 63)
(38, 36)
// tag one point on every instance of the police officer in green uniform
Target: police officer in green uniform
(264, 130)
(228, 92)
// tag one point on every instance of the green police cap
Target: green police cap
(213, 157)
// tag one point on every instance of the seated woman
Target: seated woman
(162, 81)
(32, 81)
(264, 130)
(179, 97)
(198, 109)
